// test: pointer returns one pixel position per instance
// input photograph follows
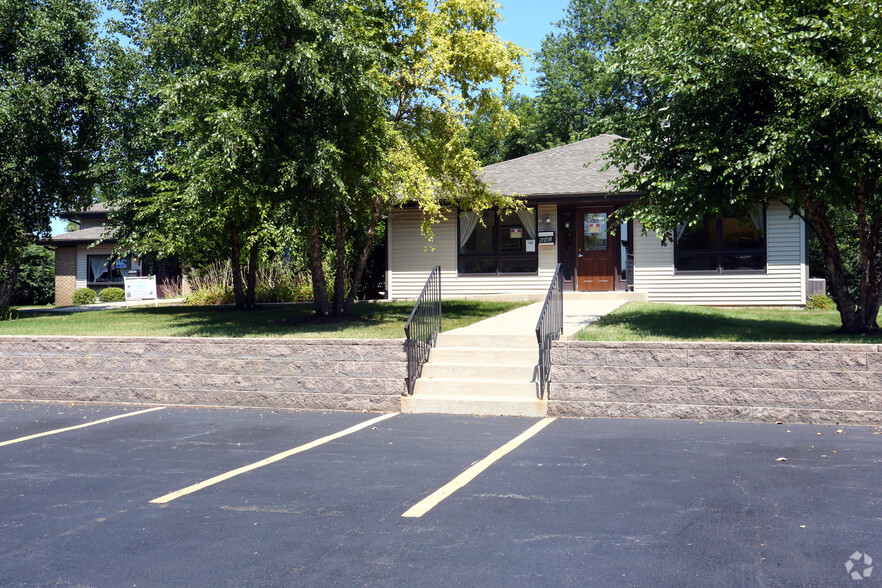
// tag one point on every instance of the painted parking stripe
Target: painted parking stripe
(272, 459)
(80, 426)
(432, 500)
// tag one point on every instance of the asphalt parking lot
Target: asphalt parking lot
(188, 496)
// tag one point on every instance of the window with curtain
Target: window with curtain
(104, 269)
(492, 243)
(722, 244)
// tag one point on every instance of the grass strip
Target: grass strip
(647, 321)
(369, 320)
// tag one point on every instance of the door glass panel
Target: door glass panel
(595, 231)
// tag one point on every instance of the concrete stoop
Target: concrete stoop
(484, 375)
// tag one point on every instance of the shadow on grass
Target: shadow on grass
(741, 325)
(367, 320)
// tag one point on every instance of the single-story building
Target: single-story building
(85, 259)
(763, 261)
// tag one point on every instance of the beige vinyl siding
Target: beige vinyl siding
(410, 260)
(783, 283)
(82, 252)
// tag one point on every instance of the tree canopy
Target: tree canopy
(753, 101)
(50, 107)
(298, 124)
(580, 92)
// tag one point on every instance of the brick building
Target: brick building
(86, 259)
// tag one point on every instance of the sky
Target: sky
(524, 22)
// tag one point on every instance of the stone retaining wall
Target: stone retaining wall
(338, 374)
(790, 382)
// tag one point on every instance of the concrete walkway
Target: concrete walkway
(522, 321)
(106, 306)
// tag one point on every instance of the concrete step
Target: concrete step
(470, 387)
(502, 340)
(480, 405)
(484, 355)
(477, 371)
(629, 296)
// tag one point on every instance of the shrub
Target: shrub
(276, 281)
(7, 313)
(83, 296)
(112, 295)
(218, 294)
(820, 302)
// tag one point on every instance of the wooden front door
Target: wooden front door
(596, 250)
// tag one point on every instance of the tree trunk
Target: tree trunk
(319, 283)
(870, 290)
(253, 260)
(340, 269)
(8, 277)
(365, 253)
(236, 261)
(856, 316)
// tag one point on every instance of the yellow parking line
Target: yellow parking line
(89, 424)
(432, 500)
(259, 464)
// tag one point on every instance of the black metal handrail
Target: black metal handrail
(549, 327)
(423, 326)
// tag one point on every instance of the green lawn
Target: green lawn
(370, 320)
(643, 321)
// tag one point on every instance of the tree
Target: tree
(50, 105)
(493, 142)
(239, 110)
(448, 65)
(36, 276)
(580, 95)
(286, 123)
(756, 101)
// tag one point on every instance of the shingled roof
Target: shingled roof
(571, 170)
(90, 235)
(99, 209)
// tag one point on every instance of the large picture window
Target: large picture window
(491, 243)
(104, 269)
(722, 244)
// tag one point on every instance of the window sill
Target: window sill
(761, 272)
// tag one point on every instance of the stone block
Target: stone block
(797, 360)
(711, 396)
(649, 394)
(839, 380)
(753, 359)
(560, 352)
(708, 358)
(874, 361)
(648, 357)
(565, 408)
(576, 391)
(10, 363)
(580, 356)
(771, 378)
(843, 399)
(840, 417)
(709, 377)
(853, 360)
(775, 398)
